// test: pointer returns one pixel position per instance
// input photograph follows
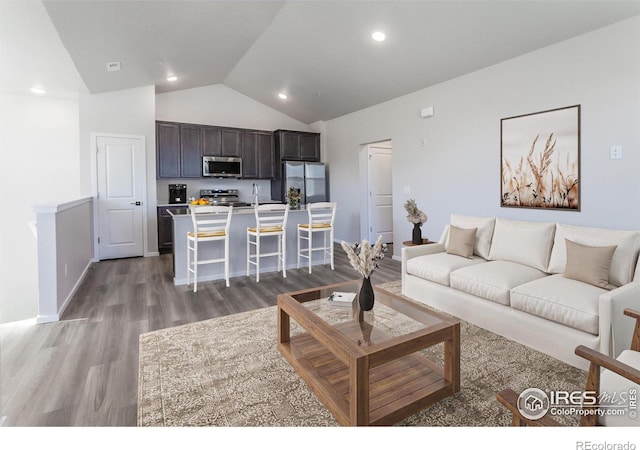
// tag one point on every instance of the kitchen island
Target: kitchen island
(241, 219)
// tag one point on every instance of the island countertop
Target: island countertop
(186, 211)
(242, 218)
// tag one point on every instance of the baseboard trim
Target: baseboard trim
(47, 319)
(149, 254)
(56, 317)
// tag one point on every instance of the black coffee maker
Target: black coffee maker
(177, 193)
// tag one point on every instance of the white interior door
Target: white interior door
(121, 194)
(380, 193)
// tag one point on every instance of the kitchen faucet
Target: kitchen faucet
(254, 191)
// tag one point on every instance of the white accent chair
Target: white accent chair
(322, 216)
(210, 223)
(271, 221)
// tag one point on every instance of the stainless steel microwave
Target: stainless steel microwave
(221, 167)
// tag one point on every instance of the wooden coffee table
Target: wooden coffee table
(368, 368)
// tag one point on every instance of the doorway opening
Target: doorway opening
(377, 210)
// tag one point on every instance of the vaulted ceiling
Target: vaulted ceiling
(320, 53)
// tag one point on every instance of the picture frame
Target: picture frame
(540, 160)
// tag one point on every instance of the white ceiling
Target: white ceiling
(319, 52)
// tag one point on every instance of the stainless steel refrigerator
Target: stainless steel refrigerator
(308, 177)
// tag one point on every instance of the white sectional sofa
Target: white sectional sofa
(512, 281)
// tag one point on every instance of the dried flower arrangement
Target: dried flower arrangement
(364, 257)
(415, 215)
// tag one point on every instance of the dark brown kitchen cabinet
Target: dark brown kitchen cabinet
(266, 167)
(211, 141)
(165, 228)
(231, 142)
(217, 141)
(190, 151)
(178, 150)
(297, 146)
(257, 154)
(249, 154)
(168, 150)
(310, 147)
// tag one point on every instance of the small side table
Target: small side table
(411, 244)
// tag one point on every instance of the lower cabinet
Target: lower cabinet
(165, 229)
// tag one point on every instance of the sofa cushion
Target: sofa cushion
(617, 390)
(483, 235)
(562, 300)
(589, 264)
(527, 243)
(493, 280)
(461, 241)
(623, 262)
(437, 267)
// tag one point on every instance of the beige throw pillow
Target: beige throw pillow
(461, 241)
(589, 264)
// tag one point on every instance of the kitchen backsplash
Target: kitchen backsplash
(194, 185)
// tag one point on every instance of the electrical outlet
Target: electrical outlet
(407, 189)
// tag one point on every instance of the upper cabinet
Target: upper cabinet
(190, 151)
(257, 154)
(178, 150)
(168, 150)
(180, 147)
(231, 142)
(297, 146)
(211, 141)
(217, 141)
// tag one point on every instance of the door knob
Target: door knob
(136, 203)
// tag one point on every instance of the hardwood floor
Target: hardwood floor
(83, 370)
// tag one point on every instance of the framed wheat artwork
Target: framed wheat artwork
(540, 160)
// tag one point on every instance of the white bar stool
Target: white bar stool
(271, 220)
(210, 223)
(321, 218)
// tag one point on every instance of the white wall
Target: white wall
(39, 162)
(458, 171)
(220, 105)
(126, 112)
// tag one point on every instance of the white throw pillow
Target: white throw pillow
(526, 243)
(483, 235)
(624, 258)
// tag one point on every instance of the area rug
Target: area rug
(228, 372)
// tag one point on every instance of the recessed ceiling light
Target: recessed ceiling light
(38, 90)
(378, 36)
(282, 95)
(172, 78)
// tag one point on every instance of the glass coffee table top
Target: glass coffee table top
(390, 316)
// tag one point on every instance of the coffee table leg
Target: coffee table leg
(452, 359)
(359, 390)
(284, 326)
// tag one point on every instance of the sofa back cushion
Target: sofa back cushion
(623, 262)
(527, 243)
(483, 235)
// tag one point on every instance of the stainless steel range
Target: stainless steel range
(222, 197)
